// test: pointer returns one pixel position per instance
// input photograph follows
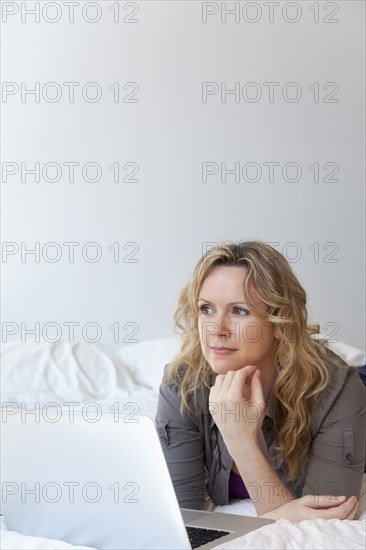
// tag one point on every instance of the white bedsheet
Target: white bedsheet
(83, 373)
(309, 534)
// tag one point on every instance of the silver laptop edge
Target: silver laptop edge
(100, 482)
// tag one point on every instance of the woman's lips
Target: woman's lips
(222, 350)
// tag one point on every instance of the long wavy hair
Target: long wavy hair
(301, 361)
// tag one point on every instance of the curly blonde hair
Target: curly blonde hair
(301, 362)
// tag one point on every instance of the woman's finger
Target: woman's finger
(323, 501)
(226, 383)
(347, 508)
(215, 389)
(238, 382)
(354, 511)
(257, 390)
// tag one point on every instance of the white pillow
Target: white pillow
(146, 360)
(61, 371)
(353, 356)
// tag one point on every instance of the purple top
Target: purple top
(237, 488)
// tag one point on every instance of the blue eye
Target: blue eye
(241, 311)
(205, 309)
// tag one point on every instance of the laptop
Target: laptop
(94, 481)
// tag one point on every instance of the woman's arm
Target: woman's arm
(265, 488)
(244, 438)
(337, 460)
(310, 507)
(338, 452)
(183, 448)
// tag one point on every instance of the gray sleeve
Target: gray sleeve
(183, 447)
(338, 452)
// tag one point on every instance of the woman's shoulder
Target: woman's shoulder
(171, 385)
(169, 401)
(344, 391)
(173, 377)
(341, 373)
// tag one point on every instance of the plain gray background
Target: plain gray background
(162, 140)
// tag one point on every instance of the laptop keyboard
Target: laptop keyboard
(198, 536)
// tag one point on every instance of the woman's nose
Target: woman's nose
(222, 326)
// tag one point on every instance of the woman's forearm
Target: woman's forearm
(263, 485)
(310, 507)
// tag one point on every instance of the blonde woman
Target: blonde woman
(253, 406)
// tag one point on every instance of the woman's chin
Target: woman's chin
(222, 366)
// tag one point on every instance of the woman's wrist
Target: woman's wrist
(249, 443)
(309, 507)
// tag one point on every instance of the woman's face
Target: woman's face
(231, 336)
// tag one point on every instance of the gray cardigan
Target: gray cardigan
(200, 465)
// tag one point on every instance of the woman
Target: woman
(253, 406)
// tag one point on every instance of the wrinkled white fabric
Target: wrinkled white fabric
(82, 372)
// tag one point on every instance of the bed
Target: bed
(84, 373)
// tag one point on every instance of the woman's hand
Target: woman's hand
(237, 405)
(316, 507)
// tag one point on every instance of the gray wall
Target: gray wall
(173, 130)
